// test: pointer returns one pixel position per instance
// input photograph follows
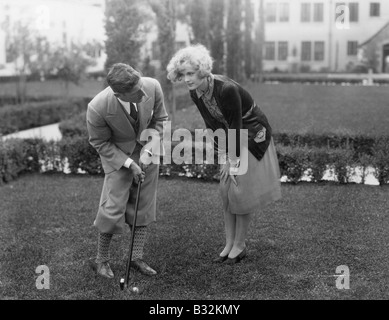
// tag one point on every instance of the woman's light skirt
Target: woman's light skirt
(257, 188)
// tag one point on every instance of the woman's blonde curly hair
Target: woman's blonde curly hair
(197, 56)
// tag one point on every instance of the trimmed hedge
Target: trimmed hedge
(81, 155)
(380, 160)
(361, 144)
(13, 100)
(299, 155)
(74, 126)
(18, 156)
(14, 118)
(34, 155)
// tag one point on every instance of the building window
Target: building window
(305, 12)
(270, 51)
(318, 12)
(284, 12)
(306, 54)
(319, 50)
(271, 9)
(374, 9)
(282, 50)
(354, 11)
(352, 48)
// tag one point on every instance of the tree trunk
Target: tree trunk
(234, 41)
(247, 39)
(21, 88)
(166, 22)
(260, 42)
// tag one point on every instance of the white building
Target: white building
(66, 21)
(300, 35)
(320, 35)
(60, 21)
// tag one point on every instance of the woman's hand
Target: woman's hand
(225, 173)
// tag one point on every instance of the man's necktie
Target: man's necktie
(134, 113)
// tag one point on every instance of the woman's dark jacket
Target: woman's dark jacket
(240, 112)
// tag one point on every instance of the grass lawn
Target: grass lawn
(294, 246)
(86, 88)
(290, 107)
(314, 108)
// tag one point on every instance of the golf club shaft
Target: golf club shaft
(133, 234)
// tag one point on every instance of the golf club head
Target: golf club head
(131, 288)
(122, 284)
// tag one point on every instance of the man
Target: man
(116, 117)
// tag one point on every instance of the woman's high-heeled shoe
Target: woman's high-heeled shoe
(220, 259)
(238, 258)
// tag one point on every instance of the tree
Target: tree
(33, 55)
(165, 12)
(199, 21)
(216, 34)
(234, 40)
(248, 48)
(40, 67)
(69, 64)
(126, 26)
(20, 47)
(259, 43)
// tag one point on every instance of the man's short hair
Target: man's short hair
(122, 77)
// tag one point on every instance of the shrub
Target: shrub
(13, 100)
(365, 161)
(34, 154)
(381, 160)
(75, 126)
(207, 172)
(81, 155)
(18, 117)
(293, 162)
(342, 164)
(12, 155)
(318, 159)
(19, 156)
(361, 144)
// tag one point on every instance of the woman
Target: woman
(223, 103)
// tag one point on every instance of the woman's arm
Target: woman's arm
(232, 109)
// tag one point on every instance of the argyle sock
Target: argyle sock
(104, 240)
(139, 242)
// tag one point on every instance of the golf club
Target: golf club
(124, 281)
